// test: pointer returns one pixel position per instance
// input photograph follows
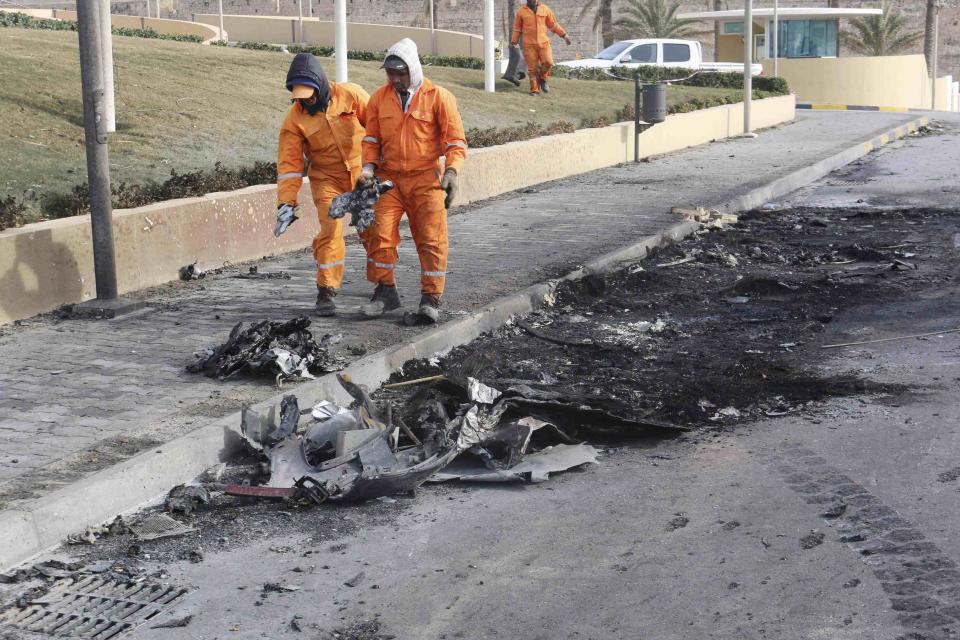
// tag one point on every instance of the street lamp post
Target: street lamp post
(489, 50)
(433, 29)
(98, 163)
(747, 65)
(220, 11)
(106, 58)
(776, 37)
(340, 39)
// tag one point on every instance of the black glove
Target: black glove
(449, 184)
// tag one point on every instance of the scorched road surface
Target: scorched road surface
(815, 498)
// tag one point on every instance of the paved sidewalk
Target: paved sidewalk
(78, 396)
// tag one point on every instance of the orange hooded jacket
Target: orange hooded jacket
(534, 26)
(413, 141)
(335, 155)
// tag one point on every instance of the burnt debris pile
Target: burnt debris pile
(280, 350)
(453, 426)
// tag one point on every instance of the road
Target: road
(719, 534)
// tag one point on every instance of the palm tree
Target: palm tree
(509, 13)
(653, 19)
(882, 35)
(602, 11)
(930, 33)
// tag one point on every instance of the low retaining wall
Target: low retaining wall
(48, 264)
(208, 32)
(360, 36)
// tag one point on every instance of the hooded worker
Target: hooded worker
(533, 21)
(411, 124)
(325, 126)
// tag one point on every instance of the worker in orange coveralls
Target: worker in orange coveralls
(411, 124)
(533, 21)
(325, 124)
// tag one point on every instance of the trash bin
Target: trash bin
(654, 103)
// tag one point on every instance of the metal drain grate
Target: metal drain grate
(159, 525)
(92, 607)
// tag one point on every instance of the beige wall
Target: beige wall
(366, 37)
(731, 48)
(890, 81)
(35, 13)
(160, 25)
(45, 265)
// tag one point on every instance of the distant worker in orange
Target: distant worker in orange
(324, 125)
(411, 124)
(533, 21)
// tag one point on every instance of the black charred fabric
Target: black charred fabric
(245, 349)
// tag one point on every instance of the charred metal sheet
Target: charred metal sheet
(535, 467)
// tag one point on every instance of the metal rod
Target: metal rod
(106, 57)
(220, 10)
(489, 48)
(636, 117)
(747, 66)
(98, 159)
(340, 39)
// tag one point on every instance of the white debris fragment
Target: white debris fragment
(326, 410)
(726, 412)
(479, 392)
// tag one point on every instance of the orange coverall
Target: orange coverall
(536, 41)
(406, 147)
(331, 141)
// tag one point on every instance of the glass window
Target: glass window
(614, 50)
(644, 53)
(673, 52)
(807, 38)
(732, 28)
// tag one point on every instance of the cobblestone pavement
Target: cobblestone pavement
(77, 396)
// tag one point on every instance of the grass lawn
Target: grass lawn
(185, 106)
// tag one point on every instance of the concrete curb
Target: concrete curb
(849, 107)
(129, 485)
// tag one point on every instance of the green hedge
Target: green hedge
(461, 62)
(24, 21)
(771, 85)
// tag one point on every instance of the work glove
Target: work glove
(365, 181)
(449, 184)
(286, 214)
(567, 40)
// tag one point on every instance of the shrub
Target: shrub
(687, 77)
(11, 213)
(179, 185)
(24, 21)
(478, 138)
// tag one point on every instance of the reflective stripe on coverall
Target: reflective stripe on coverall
(331, 140)
(406, 148)
(537, 51)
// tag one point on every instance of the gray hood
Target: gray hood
(406, 50)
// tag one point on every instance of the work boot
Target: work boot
(385, 298)
(544, 86)
(325, 305)
(429, 309)
(534, 93)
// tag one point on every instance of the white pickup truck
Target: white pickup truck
(659, 52)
